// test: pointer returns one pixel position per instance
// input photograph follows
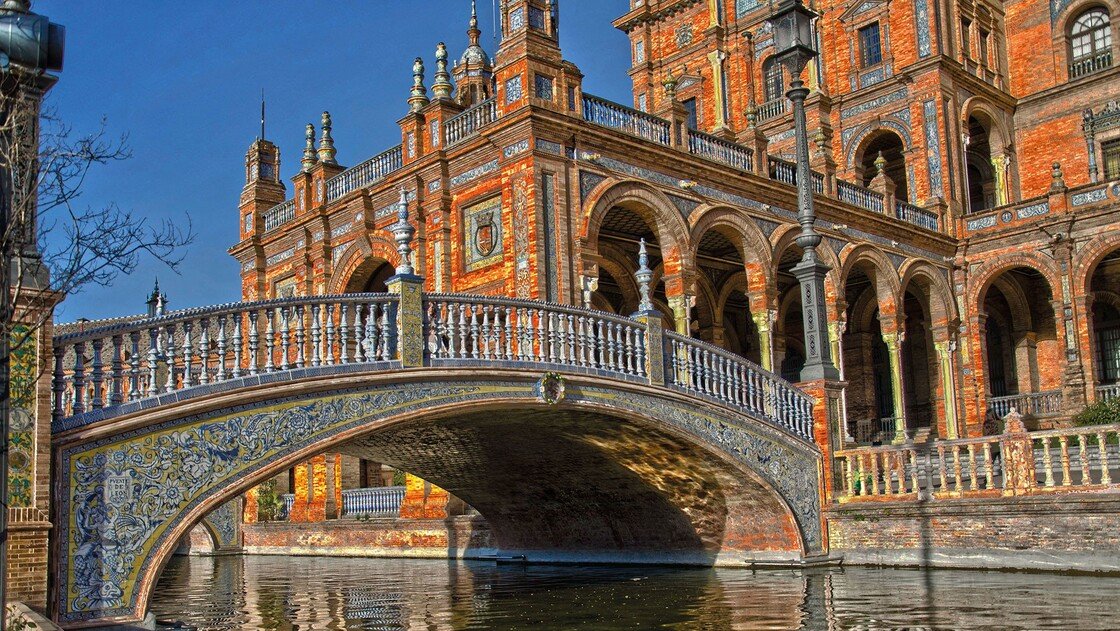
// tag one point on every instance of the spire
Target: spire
(473, 33)
(157, 302)
(310, 158)
(442, 87)
(262, 113)
(419, 96)
(474, 72)
(644, 275)
(326, 143)
(402, 234)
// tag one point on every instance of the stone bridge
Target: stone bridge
(579, 435)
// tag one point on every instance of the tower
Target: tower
(263, 187)
(474, 75)
(529, 67)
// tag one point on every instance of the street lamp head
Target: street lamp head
(792, 23)
(29, 40)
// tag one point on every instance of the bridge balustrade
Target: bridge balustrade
(1062, 460)
(140, 364)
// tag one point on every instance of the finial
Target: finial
(752, 114)
(326, 143)
(419, 96)
(402, 234)
(880, 163)
(19, 6)
(1057, 180)
(670, 84)
(644, 275)
(309, 155)
(442, 87)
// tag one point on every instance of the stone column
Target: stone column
(715, 58)
(1026, 362)
(948, 379)
(1000, 165)
(764, 322)
(893, 340)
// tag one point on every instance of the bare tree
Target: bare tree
(54, 244)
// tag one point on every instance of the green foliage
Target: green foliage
(398, 477)
(1099, 413)
(270, 506)
(17, 621)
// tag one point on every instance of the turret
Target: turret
(263, 188)
(474, 74)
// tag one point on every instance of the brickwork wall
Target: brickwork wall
(1070, 532)
(27, 564)
(459, 536)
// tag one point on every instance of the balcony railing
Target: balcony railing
(366, 173)
(384, 500)
(915, 214)
(859, 196)
(1074, 459)
(773, 109)
(464, 125)
(1044, 403)
(786, 173)
(1089, 65)
(279, 215)
(720, 150)
(631, 121)
(1108, 392)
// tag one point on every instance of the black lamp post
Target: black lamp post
(792, 22)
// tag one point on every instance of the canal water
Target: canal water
(289, 593)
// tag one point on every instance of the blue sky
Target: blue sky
(183, 80)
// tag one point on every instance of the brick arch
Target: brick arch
(234, 440)
(1090, 257)
(888, 289)
(645, 201)
(983, 276)
(363, 256)
(1000, 128)
(867, 133)
(754, 247)
(786, 236)
(940, 295)
(622, 272)
(737, 282)
(1063, 23)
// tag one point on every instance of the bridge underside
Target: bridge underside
(562, 484)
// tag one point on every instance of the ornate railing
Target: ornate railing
(129, 366)
(699, 367)
(464, 124)
(1081, 458)
(915, 214)
(859, 196)
(1089, 65)
(279, 215)
(772, 109)
(617, 116)
(474, 328)
(786, 173)
(288, 500)
(1108, 392)
(720, 150)
(383, 500)
(1043, 403)
(366, 173)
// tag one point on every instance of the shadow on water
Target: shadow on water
(287, 593)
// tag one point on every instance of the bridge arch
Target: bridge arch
(704, 487)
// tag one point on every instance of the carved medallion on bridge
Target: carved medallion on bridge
(550, 388)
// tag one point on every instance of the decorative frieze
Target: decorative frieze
(516, 148)
(474, 173)
(875, 103)
(548, 146)
(1034, 210)
(280, 256)
(981, 223)
(1088, 197)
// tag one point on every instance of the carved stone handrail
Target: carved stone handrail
(369, 172)
(720, 150)
(626, 119)
(1045, 403)
(138, 364)
(279, 214)
(377, 500)
(464, 124)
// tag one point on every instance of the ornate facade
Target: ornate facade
(965, 155)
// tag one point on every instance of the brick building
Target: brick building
(966, 160)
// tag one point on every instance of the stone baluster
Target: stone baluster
(153, 361)
(116, 380)
(301, 336)
(972, 481)
(169, 355)
(989, 482)
(329, 325)
(486, 350)
(238, 321)
(96, 376)
(269, 340)
(1063, 442)
(958, 486)
(1047, 462)
(285, 341)
(915, 486)
(134, 367)
(941, 468)
(204, 351)
(188, 354)
(1102, 445)
(849, 477)
(474, 324)
(316, 335)
(221, 375)
(361, 335)
(343, 333)
(875, 474)
(254, 342)
(1083, 456)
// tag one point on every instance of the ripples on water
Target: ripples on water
(289, 593)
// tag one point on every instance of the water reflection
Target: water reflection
(281, 593)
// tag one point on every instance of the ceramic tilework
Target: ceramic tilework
(21, 430)
(1088, 197)
(921, 24)
(224, 522)
(513, 89)
(127, 494)
(933, 146)
(483, 237)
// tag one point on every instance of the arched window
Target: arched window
(1090, 43)
(772, 79)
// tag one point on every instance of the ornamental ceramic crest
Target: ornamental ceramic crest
(550, 388)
